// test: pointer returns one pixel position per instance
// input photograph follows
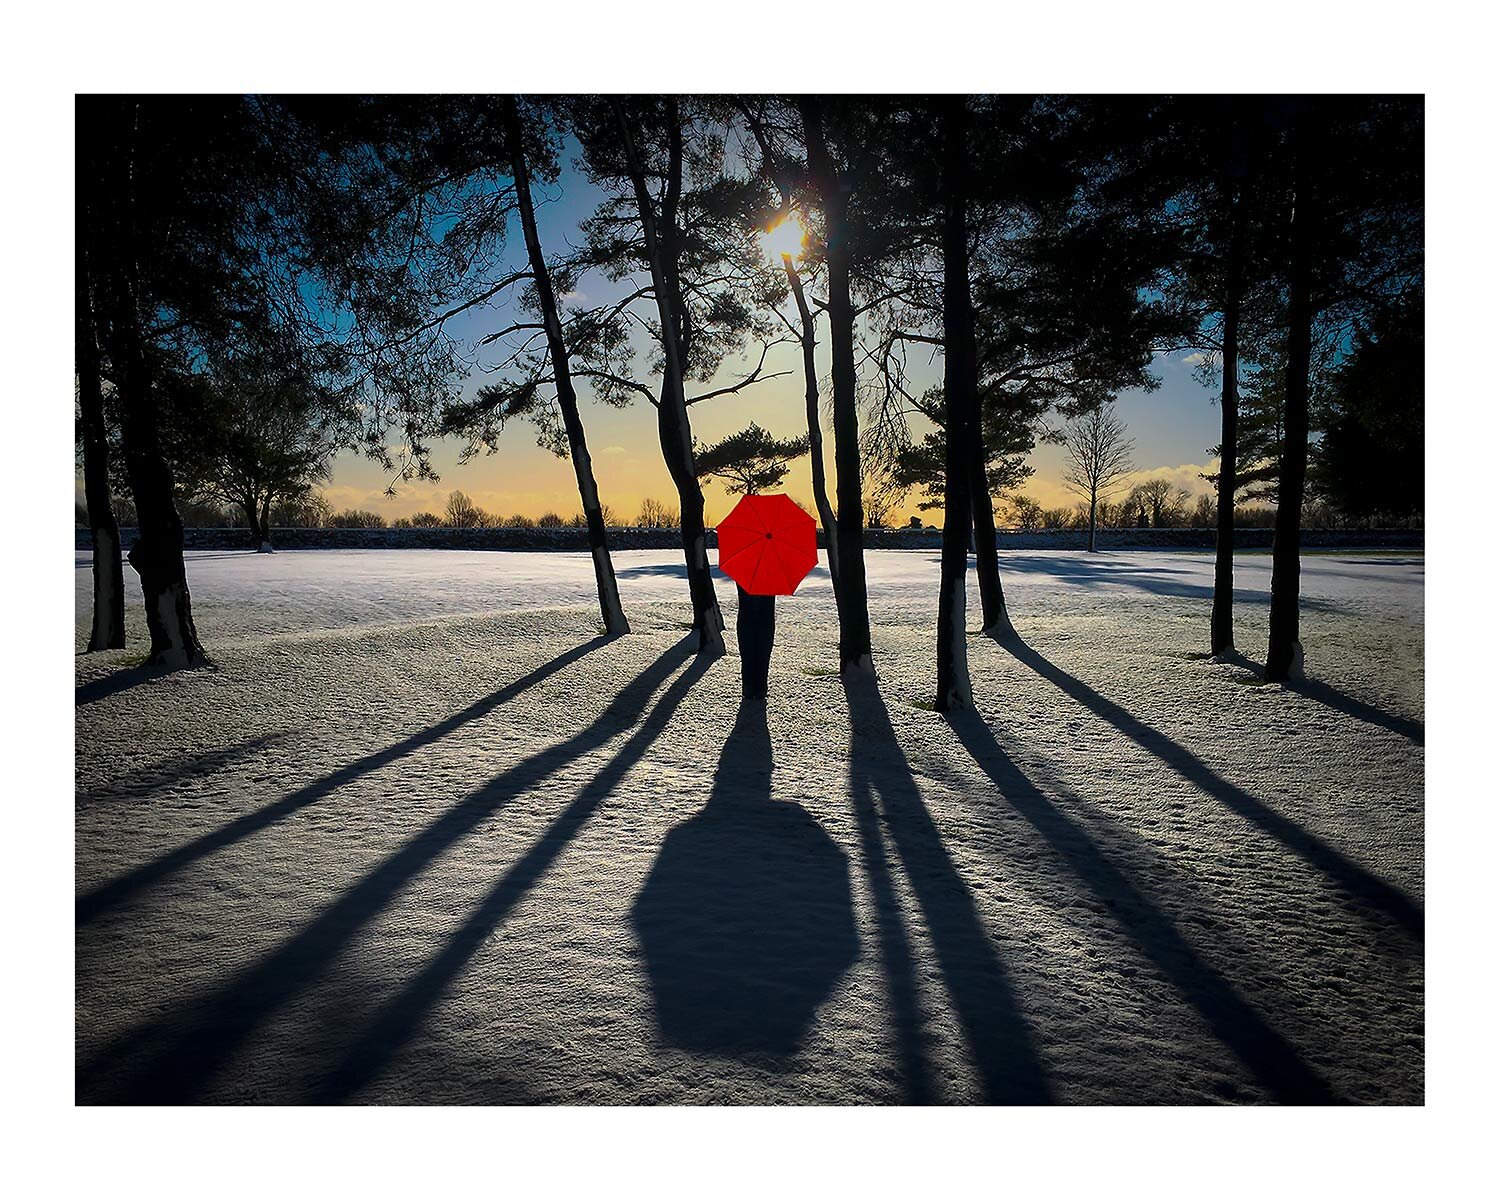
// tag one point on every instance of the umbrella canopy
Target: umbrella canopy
(767, 545)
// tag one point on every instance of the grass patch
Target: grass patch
(1253, 681)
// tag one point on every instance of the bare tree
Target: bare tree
(463, 513)
(656, 515)
(1163, 500)
(356, 518)
(1205, 514)
(1098, 457)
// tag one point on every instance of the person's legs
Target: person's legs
(756, 627)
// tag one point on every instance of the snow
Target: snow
(421, 835)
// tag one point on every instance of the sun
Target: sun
(785, 236)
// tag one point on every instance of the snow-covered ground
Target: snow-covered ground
(421, 836)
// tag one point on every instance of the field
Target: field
(422, 836)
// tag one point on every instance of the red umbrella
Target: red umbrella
(767, 545)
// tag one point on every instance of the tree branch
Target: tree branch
(755, 376)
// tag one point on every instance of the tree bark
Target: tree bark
(996, 619)
(1221, 622)
(961, 398)
(1093, 519)
(673, 427)
(251, 508)
(258, 514)
(265, 524)
(1284, 653)
(157, 553)
(853, 596)
(610, 610)
(814, 421)
(108, 631)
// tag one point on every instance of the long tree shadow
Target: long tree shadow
(196, 765)
(1107, 573)
(171, 1060)
(1364, 885)
(1263, 1051)
(107, 895)
(1360, 710)
(1000, 1040)
(897, 961)
(116, 682)
(745, 921)
(1338, 700)
(400, 1019)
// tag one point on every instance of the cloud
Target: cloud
(1188, 476)
(613, 450)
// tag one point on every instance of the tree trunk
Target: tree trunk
(1221, 623)
(610, 609)
(157, 553)
(814, 421)
(251, 509)
(258, 514)
(961, 397)
(265, 525)
(108, 632)
(852, 597)
(996, 619)
(1093, 520)
(1284, 653)
(672, 418)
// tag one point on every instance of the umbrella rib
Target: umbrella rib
(755, 568)
(745, 516)
(786, 574)
(790, 515)
(747, 546)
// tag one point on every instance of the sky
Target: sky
(1172, 427)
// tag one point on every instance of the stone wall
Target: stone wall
(670, 539)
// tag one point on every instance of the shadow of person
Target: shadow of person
(746, 920)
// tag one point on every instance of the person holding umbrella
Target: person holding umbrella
(767, 545)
